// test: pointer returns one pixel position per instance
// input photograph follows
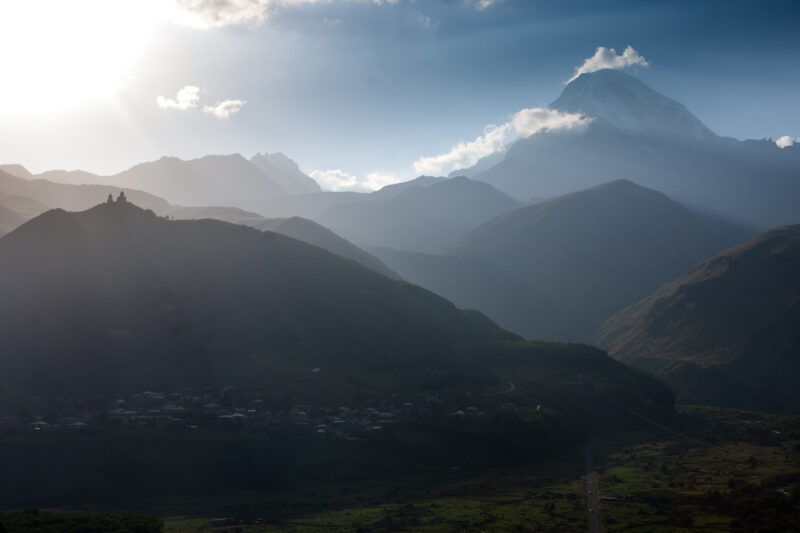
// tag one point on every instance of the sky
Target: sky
(362, 93)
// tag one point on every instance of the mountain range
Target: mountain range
(29, 195)
(229, 180)
(34, 195)
(115, 300)
(641, 135)
(558, 268)
(553, 237)
(427, 215)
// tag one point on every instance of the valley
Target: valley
(645, 479)
(338, 266)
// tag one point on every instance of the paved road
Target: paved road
(591, 476)
(591, 493)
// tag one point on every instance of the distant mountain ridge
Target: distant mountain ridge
(643, 136)
(427, 215)
(211, 180)
(15, 209)
(556, 269)
(9, 219)
(49, 194)
(596, 251)
(16, 170)
(285, 172)
(728, 332)
(230, 180)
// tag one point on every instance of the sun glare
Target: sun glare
(56, 55)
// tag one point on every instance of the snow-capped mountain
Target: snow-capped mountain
(654, 141)
(631, 106)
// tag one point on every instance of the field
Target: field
(726, 470)
(501, 501)
(713, 470)
(743, 474)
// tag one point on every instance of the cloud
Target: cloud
(339, 180)
(786, 141)
(376, 180)
(529, 121)
(218, 13)
(424, 22)
(608, 58)
(524, 123)
(483, 4)
(205, 14)
(189, 97)
(334, 180)
(465, 154)
(225, 108)
(185, 99)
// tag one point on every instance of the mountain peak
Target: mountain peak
(286, 172)
(606, 75)
(17, 170)
(620, 190)
(626, 187)
(630, 105)
(621, 183)
(228, 179)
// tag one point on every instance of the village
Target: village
(226, 409)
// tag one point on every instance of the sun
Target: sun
(56, 55)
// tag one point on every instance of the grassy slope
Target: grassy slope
(726, 332)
